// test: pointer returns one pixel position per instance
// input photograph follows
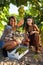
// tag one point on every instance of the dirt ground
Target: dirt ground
(29, 59)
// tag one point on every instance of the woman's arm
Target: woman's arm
(21, 22)
(37, 29)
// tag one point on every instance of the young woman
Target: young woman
(32, 38)
(8, 33)
(7, 40)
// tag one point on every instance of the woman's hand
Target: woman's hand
(33, 32)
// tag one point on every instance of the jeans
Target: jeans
(1, 43)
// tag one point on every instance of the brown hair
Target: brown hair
(25, 21)
(12, 18)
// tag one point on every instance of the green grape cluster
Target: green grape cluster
(21, 50)
(21, 11)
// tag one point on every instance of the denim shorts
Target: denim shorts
(1, 43)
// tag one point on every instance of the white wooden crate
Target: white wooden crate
(16, 55)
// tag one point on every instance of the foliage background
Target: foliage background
(35, 8)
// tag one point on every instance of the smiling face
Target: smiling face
(12, 22)
(29, 21)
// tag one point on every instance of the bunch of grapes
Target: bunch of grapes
(21, 11)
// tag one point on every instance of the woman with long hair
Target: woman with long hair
(31, 32)
(7, 39)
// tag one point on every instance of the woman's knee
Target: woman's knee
(36, 36)
(10, 45)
